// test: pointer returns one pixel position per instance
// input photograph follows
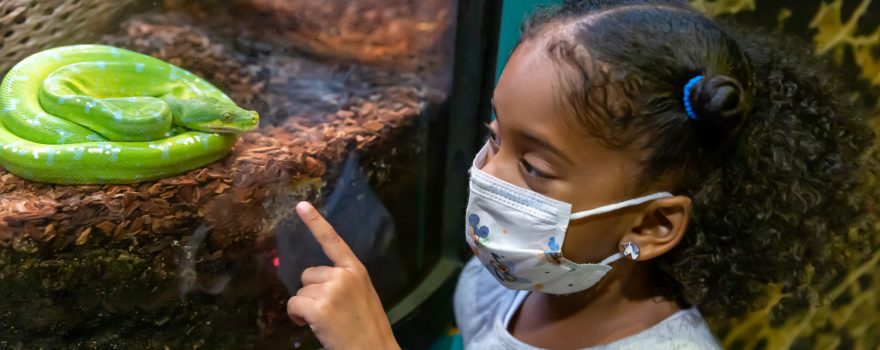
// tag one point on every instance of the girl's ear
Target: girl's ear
(659, 227)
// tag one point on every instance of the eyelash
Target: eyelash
(525, 166)
(531, 171)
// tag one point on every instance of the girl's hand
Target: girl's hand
(339, 302)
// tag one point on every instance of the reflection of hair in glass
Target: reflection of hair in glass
(772, 164)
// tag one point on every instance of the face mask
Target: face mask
(517, 234)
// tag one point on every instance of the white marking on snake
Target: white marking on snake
(130, 99)
(63, 136)
(117, 116)
(56, 55)
(114, 153)
(61, 100)
(115, 52)
(13, 79)
(33, 121)
(163, 147)
(139, 67)
(13, 103)
(50, 156)
(94, 137)
(89, 106)
(75, 69)
(77, 152)
(36, 153)
(101, 65)
(186, 141)
(15, 148)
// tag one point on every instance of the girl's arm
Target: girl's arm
(339, 302)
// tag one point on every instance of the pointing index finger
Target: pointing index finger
(333, 245)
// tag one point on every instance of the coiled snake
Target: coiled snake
(94, 114)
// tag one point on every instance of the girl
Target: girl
(647, 166)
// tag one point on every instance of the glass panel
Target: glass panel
(346, 92)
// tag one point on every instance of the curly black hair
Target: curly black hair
(777, 161)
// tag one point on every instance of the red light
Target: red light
(275, 260)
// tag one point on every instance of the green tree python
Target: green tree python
(94, 114)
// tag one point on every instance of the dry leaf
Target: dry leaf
(83, 236)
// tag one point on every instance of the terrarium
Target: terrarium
(361, 105)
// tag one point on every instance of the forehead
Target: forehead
(529, 91)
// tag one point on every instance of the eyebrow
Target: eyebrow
(546, 145)
(533, 138)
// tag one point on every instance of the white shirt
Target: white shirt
(484, 307)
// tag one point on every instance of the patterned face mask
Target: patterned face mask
(517, 234)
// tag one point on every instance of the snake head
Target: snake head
(209, 114)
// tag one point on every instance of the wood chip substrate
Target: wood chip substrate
(183, 262)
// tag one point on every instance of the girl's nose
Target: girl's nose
(488, 165)
(498, 165)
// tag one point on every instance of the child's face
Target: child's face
(535, 146)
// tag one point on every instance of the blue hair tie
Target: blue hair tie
(687, 97)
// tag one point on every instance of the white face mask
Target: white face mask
(517, 234)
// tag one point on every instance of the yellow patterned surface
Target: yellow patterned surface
(719, 7)
(849, 315)
(836, 35)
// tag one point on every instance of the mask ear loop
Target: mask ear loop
(611, 259)
(616, 206)
(571, 266)
(630, 249)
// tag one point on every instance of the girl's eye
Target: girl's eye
(531, 170)
(494, 139)
(493, 136)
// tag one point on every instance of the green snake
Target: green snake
(95, 114)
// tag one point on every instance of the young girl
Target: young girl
(646, 165)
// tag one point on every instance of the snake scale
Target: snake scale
(95, 114)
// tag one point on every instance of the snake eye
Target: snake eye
(227, 117)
